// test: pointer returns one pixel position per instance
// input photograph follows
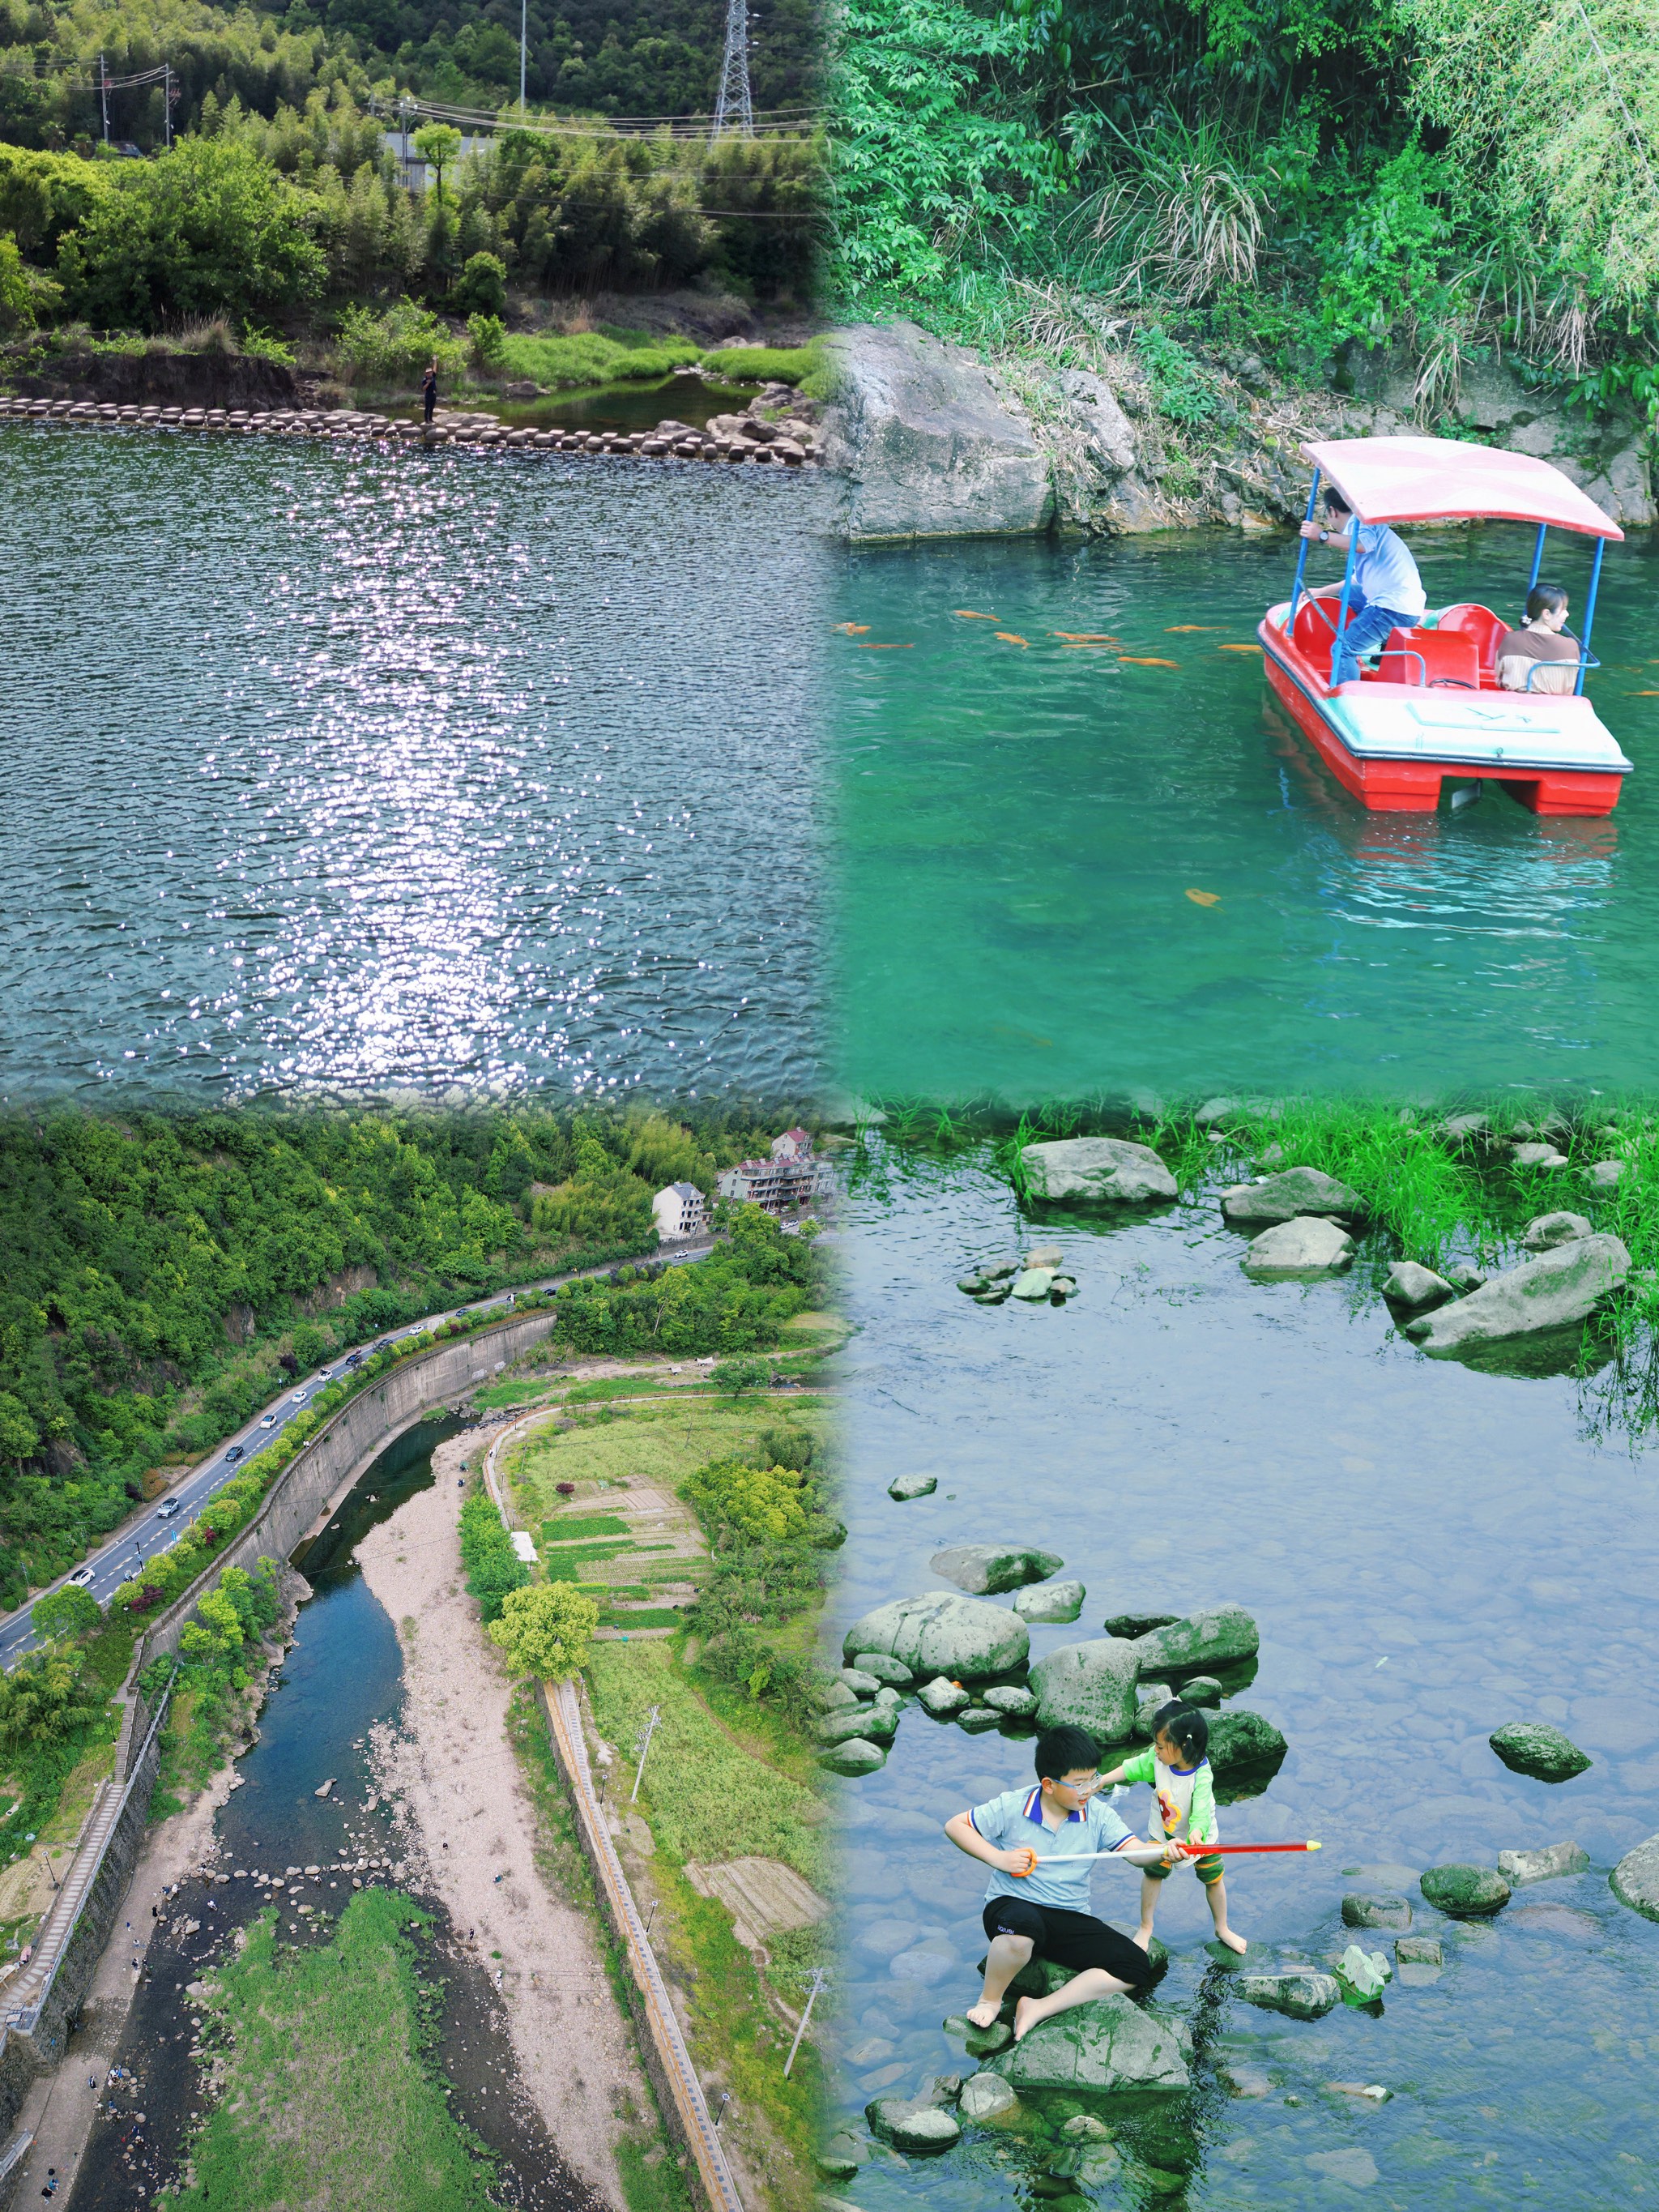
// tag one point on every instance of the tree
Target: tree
(439, 144)
(545, 1630)
(482, 287)
(18, 1434)
(67, 1613)
(47, 1698)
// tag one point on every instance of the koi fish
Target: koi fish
(1179, 629)
(970, 614)
(1009, 637)
(1205, 898)
(1238, 648)
(851, 629)
(1644, 695)
(870, 646)
(1084, 637)
(1134, 660)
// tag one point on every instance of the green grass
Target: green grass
(763, 364)
(327, 2095)
(587, 357)
(576, 1525)
(657, 1444)
(645, 1616)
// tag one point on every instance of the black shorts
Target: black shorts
(1074, 1940)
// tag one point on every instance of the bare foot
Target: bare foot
(983, 2014)
(1144, 1937)
(1023, 2019)
(1233, 1943)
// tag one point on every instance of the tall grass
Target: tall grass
(567, 361)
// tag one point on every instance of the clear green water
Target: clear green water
(1430, 1552)
(1019, 826)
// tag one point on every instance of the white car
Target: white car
(81, 1579)
(324, 1374)
(298, 1398)
(269, 1422)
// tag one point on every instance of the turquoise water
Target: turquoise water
(1430, 1552)
(1019, 828)
(342, 772)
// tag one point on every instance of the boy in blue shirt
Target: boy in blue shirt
(1387, 593)
(1033, 1911)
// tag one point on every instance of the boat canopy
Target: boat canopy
(1447, 479)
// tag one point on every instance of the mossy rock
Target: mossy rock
(1534, 1748)
(1465, 1893)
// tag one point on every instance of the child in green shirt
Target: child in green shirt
(1184, 1796)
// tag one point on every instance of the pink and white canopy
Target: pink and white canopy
(1445, 479)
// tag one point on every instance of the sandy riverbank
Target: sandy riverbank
(468, 1831)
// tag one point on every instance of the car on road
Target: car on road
(299, 1397)
(355, 1359)
(234, 1455)
(168, 1511)
(269, 1422)
(81, 1579)
(324, 1374)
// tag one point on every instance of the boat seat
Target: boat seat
(1444, 659)
(1485, 627)
(1314, 626)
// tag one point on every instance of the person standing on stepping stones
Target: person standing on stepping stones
(429, 393)
(1034, 1911)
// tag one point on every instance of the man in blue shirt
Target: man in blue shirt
(1387, 593)
(1042, 1911)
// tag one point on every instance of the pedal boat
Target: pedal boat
(1432, 707)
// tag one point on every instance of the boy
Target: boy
(1387, 591)
(1032, 1910)
(1184, 1795)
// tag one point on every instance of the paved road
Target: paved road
(161, 1524)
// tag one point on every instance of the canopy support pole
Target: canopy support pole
(1589, 612)
(1347, 594)
(1302, 555)
(1538, 557)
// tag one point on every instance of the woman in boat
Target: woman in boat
(1539, 657)
(1387, 593)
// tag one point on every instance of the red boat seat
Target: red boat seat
(1444, 659)
(1484, 627)
(1315, 628)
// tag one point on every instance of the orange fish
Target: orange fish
(1178, 630)
(1084, 637)
(1205, 898)
(871, 646)
(1134, 661)
(1009, 638)
(968, 614)
(1238, 648)
(852, 630)
(1644, 695)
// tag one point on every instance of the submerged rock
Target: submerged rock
(1310, 1245)
(1556, 1289)
(1301, 1993)
(1107, 2045)
(857, 1755)
(1204, 1638)
(912, 2125)
(1092, 1685)
(985, 2097)
(988, 1569)
(940, 1633)
(1534, 1748)
(903, 1488)
(1465, 1893)
(1359, 1910)
(1053, 1602)
(1408, 1284)
(1137, 1624)
(1418, 1951)
(1290, 1194)
(1094, 1171)
(1519, 1867)
(1546, 1231)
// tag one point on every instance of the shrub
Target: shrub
(395, 345)
(487, 334)
(763, 1503)
(545, 1630)
(482, 288)
(493, 1568)
(737, 1375)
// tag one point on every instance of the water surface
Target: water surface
(1020, 826)
(343, 771)
(1429, 1552)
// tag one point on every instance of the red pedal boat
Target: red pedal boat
(1433, 707)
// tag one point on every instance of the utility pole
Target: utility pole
(524, 51)
(167, 101)
(734, 109)
(103, 95)
(642, 1746)
(820, 1978)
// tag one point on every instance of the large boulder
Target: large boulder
(1095, 1170)
(1465, 1893)
(1309, 1246)
(924, 444)
(985, 1569)
(1106, 2045)
(1558, 1288)
(1204, 1639)
(1635, 1881)
(1285, 1196)
(940, 1633)
(1090, 1685)
(1534, 1748)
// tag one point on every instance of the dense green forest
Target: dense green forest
(1295, 178)
(161, 1273)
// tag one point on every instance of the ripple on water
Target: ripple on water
(354, 772)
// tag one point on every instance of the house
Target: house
(680, 1211)
(792, 1144)
(793, 1176)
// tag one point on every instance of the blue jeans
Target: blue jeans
(1369, 627)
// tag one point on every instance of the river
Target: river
(1430, 1552)
(338, 771)
(1021, 827)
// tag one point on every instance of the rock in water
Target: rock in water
(1546, 1231)
(1537, 1156)
(940, 1633)
(1197, 1690)
(912, 2125)
(1556, 1289)
(979, 1720)
(1362, 1912)
(1285, 1196)
(860, 1684)
(985, 2097)
(1095, 1170)
(879, 1724)
(1090, 1685)
(980, 2042)
(1465, 1893)
(1408, 1284)
(1107, 2045)
(1034, 1284)
(1635, 1881)
(884, 1668)
(1238, 1738)
(942, 1699)
(1518, 1868)
(903, 1488)
(837, 1693)
(987, 1569)
(1204, 1639)
(1151, 1697)
(1418, 1951)
(1014, 1704)
(1534, 1748)
(1055, 1603)
(1310, 1245)
(325, 1787)
(857, 1755)
(1303, 1994)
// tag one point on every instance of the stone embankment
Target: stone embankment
(929, 441)
(790, 444)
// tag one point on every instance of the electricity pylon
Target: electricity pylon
(733, 110)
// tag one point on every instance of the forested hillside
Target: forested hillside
(1295, 181)
(161, 1273)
